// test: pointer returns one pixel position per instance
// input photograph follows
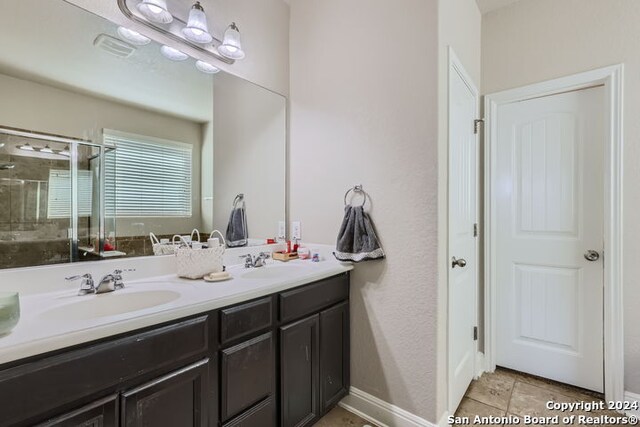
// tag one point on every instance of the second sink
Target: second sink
(111, 304)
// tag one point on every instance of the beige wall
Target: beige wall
(459, 23)
(532, 41)
(38, 107)
(264, 26)
(364, 111)
(250, 132)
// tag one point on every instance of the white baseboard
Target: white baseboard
(632, 397)
(379, 412)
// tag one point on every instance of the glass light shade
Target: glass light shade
(197, 30)
(133, 37)
(26, 147)
(173, 54)
(205, 67)
(155, 11)
(46, 149)
(231, 46)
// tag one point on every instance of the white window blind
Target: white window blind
(59, 194)
(147, 177)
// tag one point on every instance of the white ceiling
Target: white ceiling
(489, 5)
(52, 42)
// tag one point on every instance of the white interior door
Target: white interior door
(463, 275)
(549, 207)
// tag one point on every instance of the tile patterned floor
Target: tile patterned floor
(340, 417)
(511, 393)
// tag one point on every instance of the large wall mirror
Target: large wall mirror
(103, 142)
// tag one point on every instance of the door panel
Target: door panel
(549, 203)
(462, 240)
(299, 353)
(334, 354)
(247, 374)
(176, 399)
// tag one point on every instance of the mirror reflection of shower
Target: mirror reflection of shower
(50, 205)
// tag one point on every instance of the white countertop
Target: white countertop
(42, 327)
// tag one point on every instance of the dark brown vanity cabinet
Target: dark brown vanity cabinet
(314, 351)
(299, 364)
(176, 399)
(97, 414)
(279, 360)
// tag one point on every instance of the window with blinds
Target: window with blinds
(147, 177)
(59, 194)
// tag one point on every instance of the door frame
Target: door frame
(612, 79)
(455, 66)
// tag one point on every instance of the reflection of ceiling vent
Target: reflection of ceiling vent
(114, 46)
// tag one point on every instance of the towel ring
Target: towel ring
(356, 189)
(239, 198)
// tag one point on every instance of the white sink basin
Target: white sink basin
(272, 272)
(109, 304)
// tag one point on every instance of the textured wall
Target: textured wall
(532, 41)
(364, 111)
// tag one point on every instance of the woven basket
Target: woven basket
(161, 248)
(197, 263)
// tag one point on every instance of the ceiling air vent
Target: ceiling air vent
(114, 46)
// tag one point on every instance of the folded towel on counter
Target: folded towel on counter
(357, 240)
(237, 234)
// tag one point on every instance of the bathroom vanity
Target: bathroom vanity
(270, 359)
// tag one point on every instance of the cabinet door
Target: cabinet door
(101, 413)
(299, 358)
(176, 399)
(334, 354)
(247, 374)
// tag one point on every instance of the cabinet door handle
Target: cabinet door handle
(306, 351)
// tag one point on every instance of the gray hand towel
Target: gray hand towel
(237, 234)
(357, 240)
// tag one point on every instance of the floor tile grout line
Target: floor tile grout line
(482, 403)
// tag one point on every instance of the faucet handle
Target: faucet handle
(87, 285)
(117, 276)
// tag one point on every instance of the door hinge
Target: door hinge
(475, 333)
(475, 230)
(476, 125)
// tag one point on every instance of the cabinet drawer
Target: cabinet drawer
(263, 415)
(245, 319)
(312, 298)
(101, 413)
(55, 381)
(247, 375)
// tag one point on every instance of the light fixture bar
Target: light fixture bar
(124, 8)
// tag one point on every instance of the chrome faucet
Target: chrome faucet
(86, 285)
(109, 283)
(258, 261)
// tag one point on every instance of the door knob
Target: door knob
(591, 255)
(455, 262)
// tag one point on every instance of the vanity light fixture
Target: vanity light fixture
(231, 46)
(207, 68)
(155, 11)
(46, 149)
(133, 37)
(173, 54)
(26, 147)
(197, 29)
